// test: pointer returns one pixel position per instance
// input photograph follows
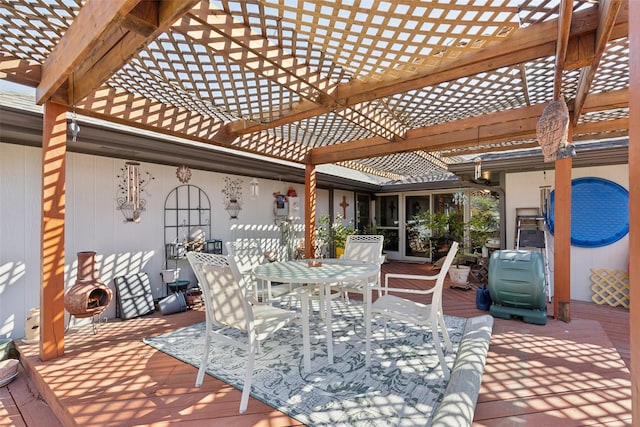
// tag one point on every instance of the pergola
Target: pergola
(397, 89)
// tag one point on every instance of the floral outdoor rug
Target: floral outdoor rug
(402, 387)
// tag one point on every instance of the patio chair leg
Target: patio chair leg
(436, 343)
(248, 377)
(445, 334)
(367, 321)
(328, 322)
(306, 345)
(205, 359)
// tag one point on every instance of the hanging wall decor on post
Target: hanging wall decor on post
(130, 188)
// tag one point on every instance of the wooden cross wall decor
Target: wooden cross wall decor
(344, 205)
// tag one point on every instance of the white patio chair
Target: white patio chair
(364, 248)
(228, 306)
(397, 308)
(248, 255)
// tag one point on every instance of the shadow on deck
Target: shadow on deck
(566, 374)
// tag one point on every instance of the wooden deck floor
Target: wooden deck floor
(565, 374)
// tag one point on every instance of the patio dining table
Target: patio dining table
(321, 272)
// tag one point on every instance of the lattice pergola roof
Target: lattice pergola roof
(398, 89)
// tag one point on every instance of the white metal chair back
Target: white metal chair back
(228, 304)
(225, 300)
(397, 308)
(436, 300)
(246, 256)
(364, 247)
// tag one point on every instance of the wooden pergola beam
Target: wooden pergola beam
(100, 41)
(133, 110)
(487, 129)
(235, 41)
(606, 100)
(607, 15)
(524, 45)
(88, 29)
(19, 71)
(562, 43)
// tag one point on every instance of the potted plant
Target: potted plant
(436, 231)
(485, 220)
(443, 228)
(459, 271)
(332, 237)
(482, 225)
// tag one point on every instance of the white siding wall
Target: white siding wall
(522, 190)
(94, 224)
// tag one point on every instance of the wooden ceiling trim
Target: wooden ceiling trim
(143, 19)
(485, 149)
(582, 132)
(373, 171)
(608, 11)
(300, 111)
(432, 158)
(580, 51)
(525, 84)
(89, 27)
(612, 134)
(478, 121)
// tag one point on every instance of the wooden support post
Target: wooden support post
(562, 241)
(310, 210)
(54, 150)
(634, 205)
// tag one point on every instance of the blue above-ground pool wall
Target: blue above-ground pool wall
(599, 212)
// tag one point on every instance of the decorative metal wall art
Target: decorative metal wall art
(183, 173)
(130, 188)
(232, 196)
